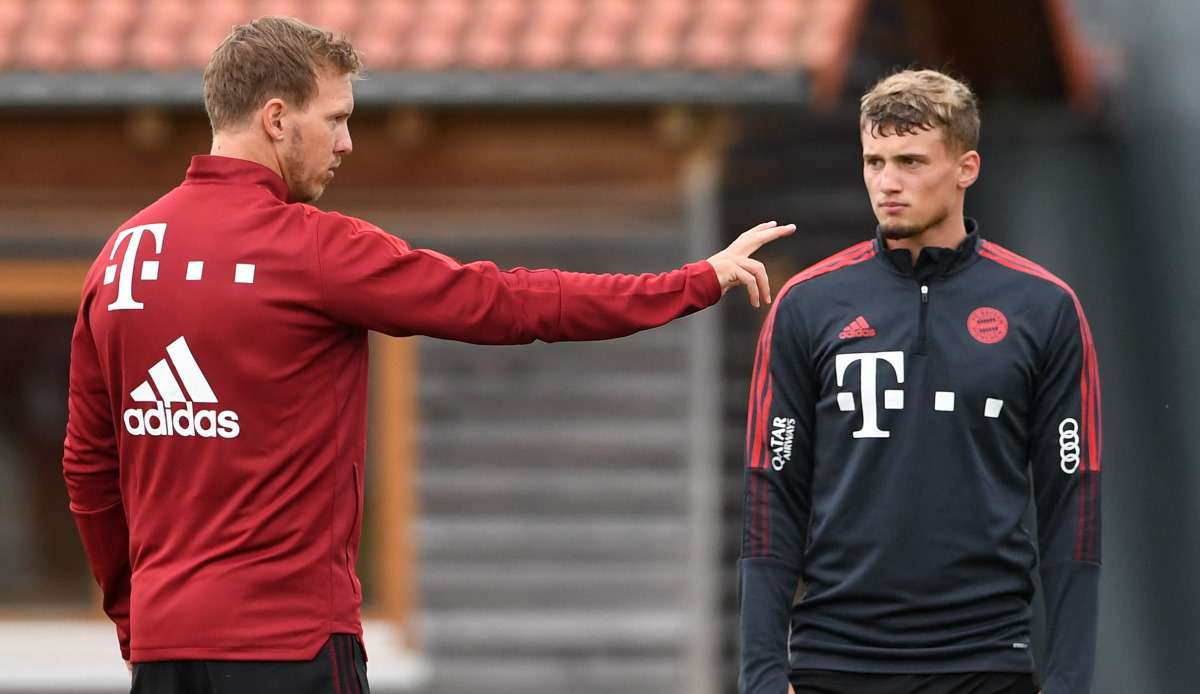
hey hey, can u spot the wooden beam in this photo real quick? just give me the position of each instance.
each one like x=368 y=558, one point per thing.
x=41 y=286
x=1075 y=56
x=831 y=37
x=393 y=430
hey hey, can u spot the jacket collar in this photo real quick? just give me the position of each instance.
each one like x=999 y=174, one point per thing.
x=206 y=168
x=933 y=261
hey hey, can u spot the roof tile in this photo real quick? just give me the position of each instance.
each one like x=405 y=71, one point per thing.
x=58 y=35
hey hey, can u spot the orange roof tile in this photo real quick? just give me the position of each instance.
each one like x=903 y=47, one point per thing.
x=401 y=35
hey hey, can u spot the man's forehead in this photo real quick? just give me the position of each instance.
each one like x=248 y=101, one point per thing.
x=336 y=86
x=887 y=139
x=340 y=104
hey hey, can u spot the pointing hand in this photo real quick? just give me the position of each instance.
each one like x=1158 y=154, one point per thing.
x=734 y=265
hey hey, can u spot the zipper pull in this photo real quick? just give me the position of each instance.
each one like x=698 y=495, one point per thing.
x=924 y=293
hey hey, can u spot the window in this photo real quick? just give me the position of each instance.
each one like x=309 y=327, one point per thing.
x=43 y=559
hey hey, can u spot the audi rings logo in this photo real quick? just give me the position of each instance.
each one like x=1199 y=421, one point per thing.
x=1068 y=445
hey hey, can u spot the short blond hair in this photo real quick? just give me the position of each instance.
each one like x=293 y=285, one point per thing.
x=913 y=100
x=271 y=57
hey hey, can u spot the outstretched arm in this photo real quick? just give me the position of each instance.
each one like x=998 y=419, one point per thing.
x=372 y=279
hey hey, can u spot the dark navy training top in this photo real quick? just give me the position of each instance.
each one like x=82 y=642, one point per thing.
x=900 y=417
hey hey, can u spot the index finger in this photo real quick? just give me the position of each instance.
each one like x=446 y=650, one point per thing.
x=756 y=238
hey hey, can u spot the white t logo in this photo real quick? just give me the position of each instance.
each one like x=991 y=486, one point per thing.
x=868 y=391
x=125 y=283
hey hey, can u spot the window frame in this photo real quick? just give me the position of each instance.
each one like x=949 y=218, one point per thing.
x=54 y=286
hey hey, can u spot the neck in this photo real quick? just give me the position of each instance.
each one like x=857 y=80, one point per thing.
x=240 y=146
x=947 y=234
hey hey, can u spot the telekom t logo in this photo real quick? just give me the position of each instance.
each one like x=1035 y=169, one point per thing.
x=868 y=389
x=893 y=398
x=132 y=238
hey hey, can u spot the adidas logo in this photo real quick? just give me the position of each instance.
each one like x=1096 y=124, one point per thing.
x=859 y=327
x=173 y=414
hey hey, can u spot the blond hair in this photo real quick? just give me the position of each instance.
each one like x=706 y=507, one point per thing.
x=267 y=58
x=913 y=100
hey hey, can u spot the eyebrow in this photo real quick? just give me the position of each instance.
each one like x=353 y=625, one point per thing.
x=900 y=155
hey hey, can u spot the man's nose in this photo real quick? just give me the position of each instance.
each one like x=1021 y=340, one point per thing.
x=889 y=181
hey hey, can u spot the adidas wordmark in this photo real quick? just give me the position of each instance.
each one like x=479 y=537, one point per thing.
x=173 y=413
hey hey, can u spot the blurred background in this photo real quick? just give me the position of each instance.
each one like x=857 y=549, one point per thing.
x=559 y=518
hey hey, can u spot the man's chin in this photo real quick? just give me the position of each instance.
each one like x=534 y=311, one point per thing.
x=897 y=232
x=308 y=196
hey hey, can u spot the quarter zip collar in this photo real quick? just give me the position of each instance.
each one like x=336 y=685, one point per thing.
x=933 y=261
x=208 y=168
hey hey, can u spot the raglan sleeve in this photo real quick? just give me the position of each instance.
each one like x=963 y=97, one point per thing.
x=372 y=279
x=92 y=475
x=1065 y=461
x=778 y=472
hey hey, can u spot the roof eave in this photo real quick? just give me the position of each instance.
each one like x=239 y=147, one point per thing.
x=36 y=90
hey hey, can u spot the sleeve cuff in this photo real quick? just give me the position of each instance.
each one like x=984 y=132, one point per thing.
x=704 y=271
x=766 y=587
x=1071 y=592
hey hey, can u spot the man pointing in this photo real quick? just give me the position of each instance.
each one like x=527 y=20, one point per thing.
x=217 y=415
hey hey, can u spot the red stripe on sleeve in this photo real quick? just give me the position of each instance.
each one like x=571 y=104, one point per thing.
x=761 y=395
x=760 y=384
x=1089 y=372
x=764 y=515
x=1089 y=398
x=757 y=395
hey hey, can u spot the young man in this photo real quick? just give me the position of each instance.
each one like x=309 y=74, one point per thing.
x=906 y=395
x=216 y=434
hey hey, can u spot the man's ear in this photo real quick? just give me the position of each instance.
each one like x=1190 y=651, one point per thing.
x=271 y=116
x=968 y=169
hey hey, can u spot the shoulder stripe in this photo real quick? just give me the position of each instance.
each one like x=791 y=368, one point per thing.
x=850 y=256
x=1089 y=399
x=759 y=385
x=761 y=396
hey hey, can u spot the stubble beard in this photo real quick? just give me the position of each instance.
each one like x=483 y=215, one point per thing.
x=898 y=232
x=315 y=193
x=300 y=188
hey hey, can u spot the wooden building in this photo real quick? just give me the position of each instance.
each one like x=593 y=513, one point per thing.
x=539 y=518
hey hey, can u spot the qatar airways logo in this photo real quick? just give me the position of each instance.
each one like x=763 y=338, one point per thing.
x=783 y=433
x=172 y=413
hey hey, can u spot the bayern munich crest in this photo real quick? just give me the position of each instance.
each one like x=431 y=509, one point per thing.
x=987 y=325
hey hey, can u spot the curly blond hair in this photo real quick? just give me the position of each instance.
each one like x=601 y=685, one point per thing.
x=913 y=100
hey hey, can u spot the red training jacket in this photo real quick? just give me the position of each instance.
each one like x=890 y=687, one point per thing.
x=218 y=395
